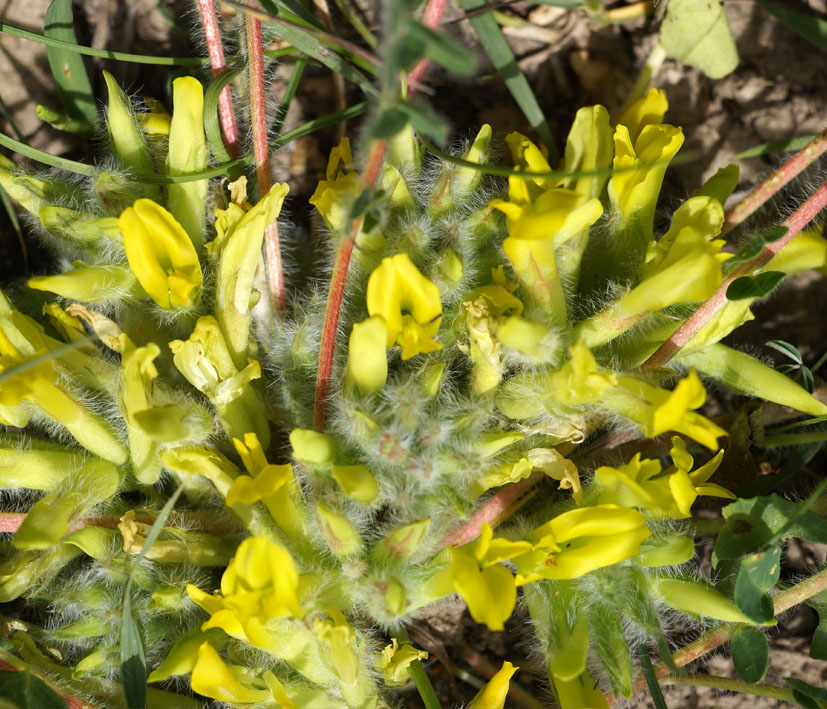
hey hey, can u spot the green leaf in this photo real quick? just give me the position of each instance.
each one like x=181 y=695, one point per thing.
x=322 y=52
x=388 y=123
x=406 y=53
x=757 y=574
x=494 y=43
x=811 y=28
x=750 y=654
x=754 y=286
x=212 y=124
x=755 y=245
x=786 y=349
x=803 y=691
x=697 y=33
x=754 y=523
x=28 y=692
x=818 y=647
x=133 y=660
x=67 y=66
x=442 y=49
x=651 y=678
x=788 y=145
x=103 y=53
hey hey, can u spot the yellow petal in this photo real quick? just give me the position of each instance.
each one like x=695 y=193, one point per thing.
x=367 y=362
x=212 y=678
x=493 y=694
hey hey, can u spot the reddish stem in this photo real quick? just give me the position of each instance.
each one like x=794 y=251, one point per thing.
x=215 y=49
x=261 y=149
x=489 y=512
x=334 y=296
x=431 y=18
x=707 y=310
x=759 y=196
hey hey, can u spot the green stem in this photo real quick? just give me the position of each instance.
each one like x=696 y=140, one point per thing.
x=732 y=685
x=420 y=678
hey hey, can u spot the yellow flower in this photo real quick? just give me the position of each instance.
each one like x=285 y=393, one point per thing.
x=260 y=584
x=639 y=166
x=335 y=196
x=657 y=410
x=226 y=683
x=589 y=148
x=666 y=493
x=205 y=362
x=580 y=541
x=408 y=303
x=487 y=587
x=160 y=254
x=579 y=381
x=527 y=157
x=535 y=230
x=493 y=694
x=395 y=661
x=156 y=119
x=274 y=485
x=648 y=110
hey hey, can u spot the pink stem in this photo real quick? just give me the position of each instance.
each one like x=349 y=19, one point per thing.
x=261 y=149
x=707 y=310
x=215 y=48
x=431 y=18
x=759 y=196
x=334 y=296
x=489 y=512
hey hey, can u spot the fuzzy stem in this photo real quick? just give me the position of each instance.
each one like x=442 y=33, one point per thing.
x=484 y=667
x=758 y=196
x=261 y=149
x=215 y=49
x=715 y=638
x=729 y=684
x=334 y=296
x=707 y=310
x=431 y=18
x=489 y=512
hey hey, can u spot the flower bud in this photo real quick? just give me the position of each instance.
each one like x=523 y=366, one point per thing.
x=341 y=536
x=188 y=153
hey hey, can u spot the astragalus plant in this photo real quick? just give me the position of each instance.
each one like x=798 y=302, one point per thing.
x=248 y=491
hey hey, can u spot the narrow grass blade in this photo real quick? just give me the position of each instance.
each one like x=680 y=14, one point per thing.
x=788 y=145
x=811 y=28
x=212 y=124
x=318 y=50
x=289 y=94
x=494 y=43
x=67 y=66
x=103 y=53
x=133 y=660
x=651 y=680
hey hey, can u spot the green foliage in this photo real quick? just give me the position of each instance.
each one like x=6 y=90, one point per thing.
x=750 y=654
x=697 y=33
x=757 y=574
x=25 y=691
x=811 y=28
